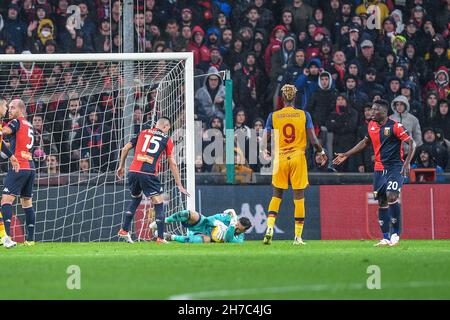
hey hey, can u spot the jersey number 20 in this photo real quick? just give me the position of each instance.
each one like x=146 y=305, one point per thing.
x=154 y=144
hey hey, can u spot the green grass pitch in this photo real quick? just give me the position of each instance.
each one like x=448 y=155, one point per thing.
x=416 y=269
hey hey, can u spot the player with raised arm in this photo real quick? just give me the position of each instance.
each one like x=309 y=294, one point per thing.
x=290 y=128
x=221 y=227
x=150 y=145
x=387 y=137
x=20 y=180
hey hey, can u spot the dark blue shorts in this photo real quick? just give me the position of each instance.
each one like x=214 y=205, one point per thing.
x=389 y=180
x=19 y=184
x=144 y=183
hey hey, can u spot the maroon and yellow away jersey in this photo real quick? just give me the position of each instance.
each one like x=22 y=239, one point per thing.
x=150 y=145
x=387 y=143
x=21 y=142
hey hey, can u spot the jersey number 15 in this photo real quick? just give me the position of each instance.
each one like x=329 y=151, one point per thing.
x=154 y=144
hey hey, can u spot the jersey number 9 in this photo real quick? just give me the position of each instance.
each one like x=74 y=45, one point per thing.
x=289 y=133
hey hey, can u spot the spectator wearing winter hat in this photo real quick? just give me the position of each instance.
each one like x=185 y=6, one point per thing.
x=442 y=119
x=355 y=96
x=282 y=59
x=438 y=57
x=15 y=29
x=313 y=49
x=320 y=105
x=343 y=123
x=400 y=106
x=249 y=86
x=352 y=49
x=397 y=15
x=393 y=87
x=440 y=84
x=197 y=46
x=415 y=107
x=368 y=58
x=275 y=40
x=431 y=105
x=370 y=83
x=215 y=62
x=210 y=97
x=437 y=147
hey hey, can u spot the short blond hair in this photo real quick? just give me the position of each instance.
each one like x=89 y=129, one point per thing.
x=288 y=92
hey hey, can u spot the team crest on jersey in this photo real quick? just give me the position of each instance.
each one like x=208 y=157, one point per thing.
x=387 y=131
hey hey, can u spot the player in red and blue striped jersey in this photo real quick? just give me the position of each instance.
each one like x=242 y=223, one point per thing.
x=150 y=145
x=5 y=239
x=19 y=183
x=387 y=137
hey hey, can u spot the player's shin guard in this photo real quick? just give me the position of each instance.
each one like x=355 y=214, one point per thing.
x=160 y=221
x=30 y=220
x=384 y=220
x=299 y=217
x=7 y=216
x=129 y=215
x=274 y=207
x=396 y=216
x=180 y=216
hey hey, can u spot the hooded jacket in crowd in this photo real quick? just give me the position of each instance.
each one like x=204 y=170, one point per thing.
x=205 y=96
x=409 y=121
x=320 y=105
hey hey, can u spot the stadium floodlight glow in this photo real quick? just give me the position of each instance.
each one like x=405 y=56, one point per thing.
x=75 y=206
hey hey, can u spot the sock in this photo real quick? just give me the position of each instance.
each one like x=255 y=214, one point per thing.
x=180 y=216
x=7 y=216
x=274 y=206
x=2 y=227
x=396 y=216
x=30 y=220
x=188 y=239
x=160 y=221
x=384 y=220
x=129 y=215
x=299 y=215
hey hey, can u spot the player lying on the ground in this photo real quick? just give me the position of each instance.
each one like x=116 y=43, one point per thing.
x=387 y=137
x=221 y=227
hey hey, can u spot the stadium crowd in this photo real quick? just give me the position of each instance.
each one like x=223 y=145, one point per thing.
x=340 y=54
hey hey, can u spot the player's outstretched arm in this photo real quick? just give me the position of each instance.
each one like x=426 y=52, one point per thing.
x=341 y=157
x=316 y=144
x=407 y=164
x=176 y=175
x=123 y=157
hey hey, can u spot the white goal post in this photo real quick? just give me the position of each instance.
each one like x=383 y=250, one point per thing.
x=73 y=203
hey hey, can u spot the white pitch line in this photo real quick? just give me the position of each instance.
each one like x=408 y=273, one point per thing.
x=311 y=287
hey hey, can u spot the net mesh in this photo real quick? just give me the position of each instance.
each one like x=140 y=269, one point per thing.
x=82 y=114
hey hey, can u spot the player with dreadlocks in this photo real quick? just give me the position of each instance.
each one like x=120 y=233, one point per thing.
x=289 y=127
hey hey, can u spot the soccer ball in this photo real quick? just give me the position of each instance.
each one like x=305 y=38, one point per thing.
x=214 y=233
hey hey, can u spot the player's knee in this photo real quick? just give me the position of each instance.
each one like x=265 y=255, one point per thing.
x=26 y=202
x=392 y=197
x=277 y=192
x=299 y=194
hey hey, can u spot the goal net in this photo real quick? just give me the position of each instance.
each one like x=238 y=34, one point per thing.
x=84 y=109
